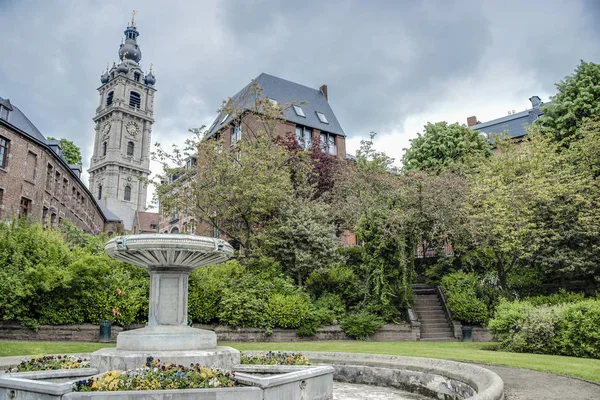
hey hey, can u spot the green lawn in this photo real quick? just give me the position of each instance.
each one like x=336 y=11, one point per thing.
x=476 y=352
x=41 y=348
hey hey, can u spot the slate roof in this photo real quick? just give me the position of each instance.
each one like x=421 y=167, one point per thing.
x=512 y=125
x=18 y=120
x=285 y=92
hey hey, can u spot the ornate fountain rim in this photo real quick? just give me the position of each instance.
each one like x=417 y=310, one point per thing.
x=168 y=250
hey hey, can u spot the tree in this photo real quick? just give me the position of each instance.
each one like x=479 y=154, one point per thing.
x=445 y=146
x=70 y=151
x=302 y=238
x=533 y=213
x=577 y=100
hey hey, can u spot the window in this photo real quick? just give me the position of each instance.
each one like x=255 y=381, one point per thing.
x=3 y=152
x=104 y=148
x=175 y=230
x=57 y=184
x=322 y=117
x=49 y=178
x=135 y=100
x=109 y=98
x=64 y=190
x=45 y=217
x=31 y=166
x=127 y=196
x=225 y=118
x=185 y=227
x=25 y=208
x=4 y=113
x=99 y=192
x=52 y=221
x=130 y=149
x=273 y=101
x=299 y=111
x=304 y=136
x=328 y=143
x=236 y=135
x=136 y=76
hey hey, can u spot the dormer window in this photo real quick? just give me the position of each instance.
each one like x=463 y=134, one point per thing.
x=109 y=98
x=272 y=101
x=135 y=100
x=299 y=111
x=4 y=112
x=322 y=117
x=136 y=76
x=225 y=118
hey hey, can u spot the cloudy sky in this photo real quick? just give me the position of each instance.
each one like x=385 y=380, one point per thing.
x=390 y=66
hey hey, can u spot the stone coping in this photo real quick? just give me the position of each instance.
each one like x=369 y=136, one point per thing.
x=487 y=384
x=54 y=373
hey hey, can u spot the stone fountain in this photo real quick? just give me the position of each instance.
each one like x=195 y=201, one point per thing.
x=169 y=260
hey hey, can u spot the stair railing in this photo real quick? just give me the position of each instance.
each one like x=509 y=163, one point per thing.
x=454 y=325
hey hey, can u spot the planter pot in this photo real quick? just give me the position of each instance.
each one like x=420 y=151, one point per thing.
x=105 y=331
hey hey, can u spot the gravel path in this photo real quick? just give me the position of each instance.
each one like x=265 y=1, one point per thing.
x=526 y=384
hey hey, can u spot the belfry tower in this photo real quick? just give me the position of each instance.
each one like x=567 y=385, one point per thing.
x=120 y=163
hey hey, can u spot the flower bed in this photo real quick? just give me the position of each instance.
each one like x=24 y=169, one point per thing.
x=275 y=358
x=46 y=363
x=157 y=376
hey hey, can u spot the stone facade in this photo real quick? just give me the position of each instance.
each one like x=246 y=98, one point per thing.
x=120 y=162
x=37 y=182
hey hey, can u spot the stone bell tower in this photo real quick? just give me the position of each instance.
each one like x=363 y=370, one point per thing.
x=120 y=163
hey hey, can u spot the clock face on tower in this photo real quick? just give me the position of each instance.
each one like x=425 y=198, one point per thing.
x=132 y=128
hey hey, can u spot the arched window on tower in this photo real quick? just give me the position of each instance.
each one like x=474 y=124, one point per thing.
x=109 y=98
x=130 y=149
x=99 y=192
x=135 y=100
x=127 y=196
x=104 y=148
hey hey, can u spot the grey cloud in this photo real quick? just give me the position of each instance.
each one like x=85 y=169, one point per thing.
x=383 y=60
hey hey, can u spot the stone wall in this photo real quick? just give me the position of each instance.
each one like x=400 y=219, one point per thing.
x=90 y=333
x=481 y=334
x=387 y=333
x=72 y=333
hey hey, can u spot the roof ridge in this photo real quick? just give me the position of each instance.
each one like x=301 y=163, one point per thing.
x=288 y=81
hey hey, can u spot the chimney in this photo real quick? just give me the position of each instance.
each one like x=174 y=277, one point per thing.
x=323 y=90
x=472 y=121
x=536 y=102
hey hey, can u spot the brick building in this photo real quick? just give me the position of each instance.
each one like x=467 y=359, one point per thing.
x=311 y=119
x=36 y=181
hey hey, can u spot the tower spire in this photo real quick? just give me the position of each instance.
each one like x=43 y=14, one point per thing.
x=129 y=49
x=133 y=17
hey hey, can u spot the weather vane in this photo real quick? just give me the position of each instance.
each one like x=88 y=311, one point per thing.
x=150 y=67
x=133 y=18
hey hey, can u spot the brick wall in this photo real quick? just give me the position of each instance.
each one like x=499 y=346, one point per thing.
x=51 y=191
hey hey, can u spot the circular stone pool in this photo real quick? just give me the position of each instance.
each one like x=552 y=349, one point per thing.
x=351 y=391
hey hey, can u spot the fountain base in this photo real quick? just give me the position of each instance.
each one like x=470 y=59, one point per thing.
x=222 y=357
x=166 y=338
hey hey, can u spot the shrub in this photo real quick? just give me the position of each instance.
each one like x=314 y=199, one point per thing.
x=288 y=311
x=339 y=280
x=330 y=308
x=562 y=296
x=579 y=329
x=275 y=358
x=242 y=308
x=571 y=329
x=468 y=300
x=361 y=325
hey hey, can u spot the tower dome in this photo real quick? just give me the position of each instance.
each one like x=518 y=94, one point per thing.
x=129 y=50
x=150 y=79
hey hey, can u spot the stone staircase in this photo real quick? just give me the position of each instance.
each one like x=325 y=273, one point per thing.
x=435 y=327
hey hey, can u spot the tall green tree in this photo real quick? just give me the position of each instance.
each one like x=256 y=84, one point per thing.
x=533 y=212
x=70 y=151
x=577 y=101
x=444 y=145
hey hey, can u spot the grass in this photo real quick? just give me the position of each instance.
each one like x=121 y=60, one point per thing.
x=585 y=368
x=41 y=348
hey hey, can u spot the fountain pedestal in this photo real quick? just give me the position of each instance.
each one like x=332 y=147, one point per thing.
x=167 y=336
